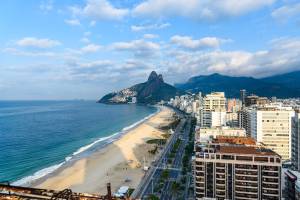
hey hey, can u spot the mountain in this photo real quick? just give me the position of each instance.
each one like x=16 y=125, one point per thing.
x=232 y=85
x=289 y=79
x=149 y=92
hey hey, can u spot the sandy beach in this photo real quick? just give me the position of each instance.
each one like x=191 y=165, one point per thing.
x=120 y=161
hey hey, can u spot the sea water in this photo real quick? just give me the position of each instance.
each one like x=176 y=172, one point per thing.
x=37 y=137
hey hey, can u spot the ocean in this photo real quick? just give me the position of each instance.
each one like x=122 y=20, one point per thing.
x=37 y=137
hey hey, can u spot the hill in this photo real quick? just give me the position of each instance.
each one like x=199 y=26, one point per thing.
x=150 y=92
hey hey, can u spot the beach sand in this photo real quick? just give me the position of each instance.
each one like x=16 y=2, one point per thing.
x=121 y=160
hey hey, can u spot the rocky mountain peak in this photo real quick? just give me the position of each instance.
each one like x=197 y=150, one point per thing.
x=154 y=76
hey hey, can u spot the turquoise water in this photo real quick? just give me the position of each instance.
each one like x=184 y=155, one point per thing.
x=37 y=137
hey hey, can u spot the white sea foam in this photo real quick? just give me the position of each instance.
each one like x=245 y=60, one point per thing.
x=37 y=175
x=84 y=148
x=109 y=139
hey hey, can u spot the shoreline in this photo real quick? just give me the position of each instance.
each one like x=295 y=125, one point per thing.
x=80 y=153
x=119 y=160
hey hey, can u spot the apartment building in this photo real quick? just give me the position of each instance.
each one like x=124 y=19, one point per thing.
x=213 y=110
x=236 y=168
x=296 y=141
x=272 y=125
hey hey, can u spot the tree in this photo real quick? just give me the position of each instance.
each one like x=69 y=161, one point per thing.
x=153 y=197
x=165 y=174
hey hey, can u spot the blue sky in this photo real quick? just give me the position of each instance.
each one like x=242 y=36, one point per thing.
x=68 y=49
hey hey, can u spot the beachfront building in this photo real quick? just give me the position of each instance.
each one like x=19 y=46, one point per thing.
x=236 y=168
x=272 y=125
x=213 y=110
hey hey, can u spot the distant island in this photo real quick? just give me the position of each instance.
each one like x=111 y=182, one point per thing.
x=152 y=91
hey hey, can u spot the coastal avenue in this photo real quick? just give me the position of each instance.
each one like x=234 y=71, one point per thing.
x=152 y=177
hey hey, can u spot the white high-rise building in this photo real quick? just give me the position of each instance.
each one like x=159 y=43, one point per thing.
x=272 y=125
x=213 y=110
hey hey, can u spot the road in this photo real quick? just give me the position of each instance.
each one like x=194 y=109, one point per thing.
x=177 y=164
x=151 y=179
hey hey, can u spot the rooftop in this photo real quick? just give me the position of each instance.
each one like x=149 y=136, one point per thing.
x=246 y=150
x=234 y=140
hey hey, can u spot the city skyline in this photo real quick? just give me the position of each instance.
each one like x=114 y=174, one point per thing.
x=83 y=49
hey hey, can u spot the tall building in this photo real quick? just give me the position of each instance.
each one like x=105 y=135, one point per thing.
x=245 y=116
x=235 y=168
x=296 y=141
x=272 y=125
x=213 y=110
x=243 y=96
x=215 y=101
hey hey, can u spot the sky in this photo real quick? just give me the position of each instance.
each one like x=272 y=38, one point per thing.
x=83 y=49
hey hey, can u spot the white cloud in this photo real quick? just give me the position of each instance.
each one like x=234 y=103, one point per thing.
x=140 y=48
x=93 y=23
x=188 y=43
x=93 y=70
x=18 y=52
x=150 y=36
x=198 y=9
x=36 y=42
x=73 y=22
x=46 y=6
x=283 y=56
x=285 y=12
x=91 y=48
x=146 y=27
x=87 y=33
x=100 y=10
x=85 y=40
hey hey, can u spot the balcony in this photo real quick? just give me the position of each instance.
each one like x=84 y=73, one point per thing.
x=270 y=197
x=220 y=187
x=218 y=170
x=220 y=182
x=246 y=167
x=200 y=180
x=246 y=190
x=270 y=174
x=271 y=192
x=220 y=165
x=199 y=169
x=270 y=179
x=246 y=173
x=220 y=176
x=270 y=168
x=201 y=174
x=246 y=178
x=198 y=190
x=271 y=186
x=200 y=185
x=198 y=163
x=220 y=193
x=246 y=196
